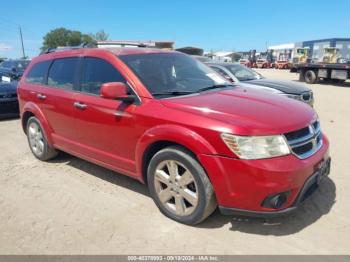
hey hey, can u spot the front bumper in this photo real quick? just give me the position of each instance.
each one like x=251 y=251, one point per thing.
x=309 y=187
x=9 y=108
x=241 y=186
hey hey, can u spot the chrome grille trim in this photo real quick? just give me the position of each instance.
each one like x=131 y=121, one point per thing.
x=313 y=139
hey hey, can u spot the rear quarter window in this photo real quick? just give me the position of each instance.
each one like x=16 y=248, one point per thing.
x=37 y=73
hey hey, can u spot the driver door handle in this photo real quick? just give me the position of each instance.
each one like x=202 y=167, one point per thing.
x=41 y=96
x=80 y=105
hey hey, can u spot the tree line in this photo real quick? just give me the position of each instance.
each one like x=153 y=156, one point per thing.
x=65 y=37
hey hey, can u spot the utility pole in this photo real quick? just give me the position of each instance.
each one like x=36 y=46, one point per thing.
x=20 y=33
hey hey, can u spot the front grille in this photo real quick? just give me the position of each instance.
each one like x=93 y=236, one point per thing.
x=295 y=60
x=306 y=141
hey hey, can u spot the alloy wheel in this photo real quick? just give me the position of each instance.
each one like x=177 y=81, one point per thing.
x=36 y=139
x=176 y=188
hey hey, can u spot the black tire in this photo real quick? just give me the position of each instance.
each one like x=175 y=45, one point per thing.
x=206 y=197
x=47 y=151
x=310 y=77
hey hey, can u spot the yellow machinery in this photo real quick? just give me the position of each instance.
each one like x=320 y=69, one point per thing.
x=330 y=55
x=301 y=55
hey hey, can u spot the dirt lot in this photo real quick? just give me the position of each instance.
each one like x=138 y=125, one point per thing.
x=69 y=206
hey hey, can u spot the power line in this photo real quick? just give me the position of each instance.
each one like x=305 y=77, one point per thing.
x=14 y=25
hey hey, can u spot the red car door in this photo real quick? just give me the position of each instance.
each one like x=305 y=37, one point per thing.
x=106 y=128
x=57 y=101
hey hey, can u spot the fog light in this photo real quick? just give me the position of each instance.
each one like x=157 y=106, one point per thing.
x=275 y=201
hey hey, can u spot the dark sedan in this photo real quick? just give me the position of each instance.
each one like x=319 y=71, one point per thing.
x=248 y=77
x=10 y=73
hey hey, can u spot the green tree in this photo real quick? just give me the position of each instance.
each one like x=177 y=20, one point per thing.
x=65 y=37
x=100 y=36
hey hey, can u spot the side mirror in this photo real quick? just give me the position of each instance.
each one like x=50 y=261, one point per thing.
x=117 y=91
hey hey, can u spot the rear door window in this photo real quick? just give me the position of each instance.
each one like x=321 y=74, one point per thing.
x=97 y=72
x=37 y=74
x=64 y=73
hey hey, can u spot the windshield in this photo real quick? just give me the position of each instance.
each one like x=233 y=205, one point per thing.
x=243 y=73
x=19 y=65
x=171 y=74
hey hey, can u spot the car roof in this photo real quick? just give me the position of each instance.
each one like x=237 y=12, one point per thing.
x=118 y=51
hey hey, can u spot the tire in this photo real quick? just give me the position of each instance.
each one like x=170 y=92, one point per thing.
x=310 y=77
x=37 y=140
x=187 y=196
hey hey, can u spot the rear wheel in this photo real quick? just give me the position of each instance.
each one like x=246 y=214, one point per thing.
x=310 y=77
x=38 y=142
x=179 y=186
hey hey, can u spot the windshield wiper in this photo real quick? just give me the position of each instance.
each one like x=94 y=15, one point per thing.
x=173 y=93
x=213 y=87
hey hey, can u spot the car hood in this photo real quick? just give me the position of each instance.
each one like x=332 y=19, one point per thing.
x=246 y=111
x=283 y=86
x=8 y=87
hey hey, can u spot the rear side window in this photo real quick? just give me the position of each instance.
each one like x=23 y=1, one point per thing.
x=63 y=73
x=37 y=73
x=97 y=72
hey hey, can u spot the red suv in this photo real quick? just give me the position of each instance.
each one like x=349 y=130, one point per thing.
x=168 y=120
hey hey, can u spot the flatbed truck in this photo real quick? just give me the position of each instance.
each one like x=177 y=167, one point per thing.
x=313 y=72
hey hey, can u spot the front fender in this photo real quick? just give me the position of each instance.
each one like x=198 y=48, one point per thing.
x=172 y=133
x=36 y=111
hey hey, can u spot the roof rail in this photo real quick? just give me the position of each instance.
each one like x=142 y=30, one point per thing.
x=63 y=48
x=122 y=43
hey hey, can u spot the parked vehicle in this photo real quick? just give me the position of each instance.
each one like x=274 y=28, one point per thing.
x=302 y=55
x=12 y=69
x=312 y=73
x=263 y=63
x=248 y=59
x=240 y=74
x=283 y=64
x=10 y=73
x=170 y=121
x=330 y=55
x=265 y=60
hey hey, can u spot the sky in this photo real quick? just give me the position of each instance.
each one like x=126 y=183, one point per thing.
x=220 y=25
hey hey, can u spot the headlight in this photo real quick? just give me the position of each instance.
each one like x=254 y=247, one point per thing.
x=256 y=147
x=296 y=97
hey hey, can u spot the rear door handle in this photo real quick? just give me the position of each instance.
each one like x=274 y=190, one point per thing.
x=80 y=105
x=41 y=96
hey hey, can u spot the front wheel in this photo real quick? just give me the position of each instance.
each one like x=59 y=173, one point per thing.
x=38 y=142
x=179 y=186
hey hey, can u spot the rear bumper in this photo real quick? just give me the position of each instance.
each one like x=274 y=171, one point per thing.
x=243 y=186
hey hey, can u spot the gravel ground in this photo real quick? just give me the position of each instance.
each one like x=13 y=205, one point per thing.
x=69 y=206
